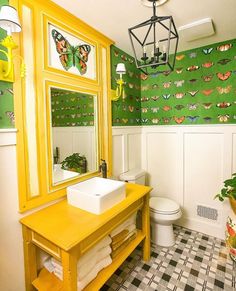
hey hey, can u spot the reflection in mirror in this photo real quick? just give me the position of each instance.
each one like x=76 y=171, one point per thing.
x=74 y=134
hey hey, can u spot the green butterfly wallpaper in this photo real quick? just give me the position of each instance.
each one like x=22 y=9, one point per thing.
x=6 y=93
x=71 y=108
x=200 y=90
x=127 y=111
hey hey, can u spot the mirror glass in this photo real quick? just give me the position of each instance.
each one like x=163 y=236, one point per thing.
x=73 y=133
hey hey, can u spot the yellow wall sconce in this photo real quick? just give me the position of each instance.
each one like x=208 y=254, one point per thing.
x=120 y=91
x=9 y=21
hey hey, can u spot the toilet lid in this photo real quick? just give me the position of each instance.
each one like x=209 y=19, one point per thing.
x=163 y=205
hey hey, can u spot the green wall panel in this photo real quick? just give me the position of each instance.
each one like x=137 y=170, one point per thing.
x=201 y=89
x=6 y=93
x=128 y=111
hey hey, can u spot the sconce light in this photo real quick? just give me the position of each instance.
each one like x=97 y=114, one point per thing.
x=9 y=21
x=120 y=92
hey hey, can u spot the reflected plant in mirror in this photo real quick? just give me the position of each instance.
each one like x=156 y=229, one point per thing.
x=74 y=133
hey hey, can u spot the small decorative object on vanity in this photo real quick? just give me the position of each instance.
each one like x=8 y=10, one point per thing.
x=229 y=191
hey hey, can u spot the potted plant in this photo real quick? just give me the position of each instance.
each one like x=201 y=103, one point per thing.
x=229 y=191
x=75 y=163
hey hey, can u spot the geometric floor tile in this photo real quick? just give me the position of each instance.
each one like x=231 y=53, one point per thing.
x=195 y=262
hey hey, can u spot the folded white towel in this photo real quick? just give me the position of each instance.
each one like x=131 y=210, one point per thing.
x=91 y=253
x=83 y=270
x=124 y=225
x=90 y=276
x=48 y=265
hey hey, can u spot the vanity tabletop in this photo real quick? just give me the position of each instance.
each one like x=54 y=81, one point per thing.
x=66 y=225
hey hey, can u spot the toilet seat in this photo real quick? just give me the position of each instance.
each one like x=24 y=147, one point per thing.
x=165 y=206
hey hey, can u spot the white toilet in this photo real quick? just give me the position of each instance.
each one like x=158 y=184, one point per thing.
x=163 y=211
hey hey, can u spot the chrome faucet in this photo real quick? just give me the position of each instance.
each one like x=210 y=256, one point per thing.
x=103 y=168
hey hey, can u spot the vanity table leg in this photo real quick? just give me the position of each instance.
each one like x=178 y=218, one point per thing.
x=146 y=228
x=69 y=264
x=29 y=259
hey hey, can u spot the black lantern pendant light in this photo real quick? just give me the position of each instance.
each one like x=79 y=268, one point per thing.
x=154 y=43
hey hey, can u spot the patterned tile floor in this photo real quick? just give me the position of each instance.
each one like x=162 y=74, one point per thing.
x=195 y=262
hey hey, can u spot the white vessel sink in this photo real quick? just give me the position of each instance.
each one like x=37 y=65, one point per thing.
x=96 y=195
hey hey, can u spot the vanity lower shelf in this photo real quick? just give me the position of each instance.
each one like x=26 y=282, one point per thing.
x=41 y=282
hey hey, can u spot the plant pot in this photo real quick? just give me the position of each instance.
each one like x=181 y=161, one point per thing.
x=230 y=237
x=233 y=204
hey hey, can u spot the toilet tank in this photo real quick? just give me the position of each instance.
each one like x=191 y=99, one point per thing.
x=135 y=176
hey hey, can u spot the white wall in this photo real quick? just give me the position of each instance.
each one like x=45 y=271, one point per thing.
x=11 y=250
x=185 y=163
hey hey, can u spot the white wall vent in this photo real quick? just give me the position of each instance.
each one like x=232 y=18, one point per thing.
x=197 y=29
x=207 y=212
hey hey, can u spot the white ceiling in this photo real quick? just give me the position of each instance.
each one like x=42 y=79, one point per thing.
x=114 y=17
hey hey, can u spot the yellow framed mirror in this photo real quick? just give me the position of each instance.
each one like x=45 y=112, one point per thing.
x=60 y=60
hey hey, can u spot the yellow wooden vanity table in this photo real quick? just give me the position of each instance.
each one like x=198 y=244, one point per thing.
x=66 y=232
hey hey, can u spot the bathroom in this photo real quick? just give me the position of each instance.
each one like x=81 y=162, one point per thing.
x=186 y=159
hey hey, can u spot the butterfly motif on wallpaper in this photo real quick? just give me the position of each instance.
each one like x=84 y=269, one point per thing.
x=192 y=106
x=207 y=65
x=155 y=98
x=116 y=53
x=144 y=110
x=166 y=108
x=223 y=76
x=180 y=57
x=155 y=86
x=130 y=74
x=124 y=58
x=224 y=62
x=207 y=92
x=193 y=93
x=131 y=60
x=179 y=95
x=155 y=120
x=131 y=108
x=144 y=120
x=144 y=88
x=179 y=120
x=143 y=76
x=225 y=90
x=224 y=47
x=179 y=83
x=11 y=116
x=131 y=85
x=167 y=84
x=155 y=109
x=192 y=118
x=193 y=55
x=124 y=120
x=207 y=51
x=191 y=81
x=207 y=78
x=166 y=96
x=192 y=68
x=144 y=99
x=223 y=118
x=71 y=56
x=207 y=105
x=179 y=107
x=207 y=119
x=223 y=105
x=166 y=119
x=166 y=73
x=179 y=70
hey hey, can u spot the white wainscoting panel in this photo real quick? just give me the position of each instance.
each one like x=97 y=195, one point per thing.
x=126 y=149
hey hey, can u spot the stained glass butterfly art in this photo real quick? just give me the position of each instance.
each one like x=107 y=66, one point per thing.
x=71 y=56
